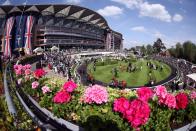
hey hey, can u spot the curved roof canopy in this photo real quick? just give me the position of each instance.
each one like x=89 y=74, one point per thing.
x=68 y=11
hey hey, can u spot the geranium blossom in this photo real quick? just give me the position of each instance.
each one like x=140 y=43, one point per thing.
x=96 y=94
x=193 y=95
x=161 y=91
x=45 y=89
x=181 y=100
x=27 y=66
x=69 y=86
x=62 y=97
x=18 y=71
x=137 y=112
x=39 y=73
x=27 y=72
x=16 y=67
x=170 y=101
x=144 y=93
x=35 y=84
x=121 y=105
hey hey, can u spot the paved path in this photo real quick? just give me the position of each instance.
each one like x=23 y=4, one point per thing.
x=50 y=73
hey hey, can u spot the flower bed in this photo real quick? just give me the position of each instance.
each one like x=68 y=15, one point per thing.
x=102 y=108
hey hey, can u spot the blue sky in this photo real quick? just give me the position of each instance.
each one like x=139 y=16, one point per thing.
x=141 y=21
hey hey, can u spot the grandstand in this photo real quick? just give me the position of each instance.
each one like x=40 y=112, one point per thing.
x=65 y=26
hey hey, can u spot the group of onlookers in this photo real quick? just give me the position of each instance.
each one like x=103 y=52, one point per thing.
x=184 y=68
x=60 y=63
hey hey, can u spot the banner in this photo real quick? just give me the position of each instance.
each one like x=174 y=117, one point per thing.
x=8 y=37
x=28 y=34
x=19 y=32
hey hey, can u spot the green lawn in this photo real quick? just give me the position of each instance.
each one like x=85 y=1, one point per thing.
x=137 y=78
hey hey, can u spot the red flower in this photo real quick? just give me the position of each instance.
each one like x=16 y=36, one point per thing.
x=69 y=86
x=39 y=73
x=144 y=93
x=181 y=100
x=62 y=97
x=121 y=105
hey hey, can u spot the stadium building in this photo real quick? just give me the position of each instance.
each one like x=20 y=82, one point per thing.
x=65 y=26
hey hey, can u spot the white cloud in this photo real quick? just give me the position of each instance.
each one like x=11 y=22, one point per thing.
x=158 y=34
x=157 y=11
x=177 y=18
x=130 y=3
x=7 y=2
x=139 y=29
x=73 y=1
x=110 y=11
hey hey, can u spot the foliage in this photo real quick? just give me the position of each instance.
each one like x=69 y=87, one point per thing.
x=158 y=46
x=149 y=49
x=6 y=121
x=187 y=51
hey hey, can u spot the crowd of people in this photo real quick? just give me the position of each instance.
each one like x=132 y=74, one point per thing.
x=183 y=69
x=60 y=63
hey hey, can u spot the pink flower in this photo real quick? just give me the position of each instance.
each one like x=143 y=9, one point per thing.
x=20 y=69
x=69 y=86
x=193 y=95
x=181 y=100
x=161 y=91
x=15 y=67
x=27 y=72
x=19 y=81
x=170 y=101
x=62 y=97
x=121 y=105
x=35 y=84
x=18 y=72
x=28 y=66
x=138 y=113
x=144 y=93
x=45 y=89
x=95 y=94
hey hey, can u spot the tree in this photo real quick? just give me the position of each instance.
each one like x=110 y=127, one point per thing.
x=132 y=49
x=143 y=50
x=149 y=49
x=189 y=50
x=179 y=50
x=158 y=46
x=172 y=51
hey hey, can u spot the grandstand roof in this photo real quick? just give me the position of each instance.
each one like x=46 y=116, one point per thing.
x=75 y=12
